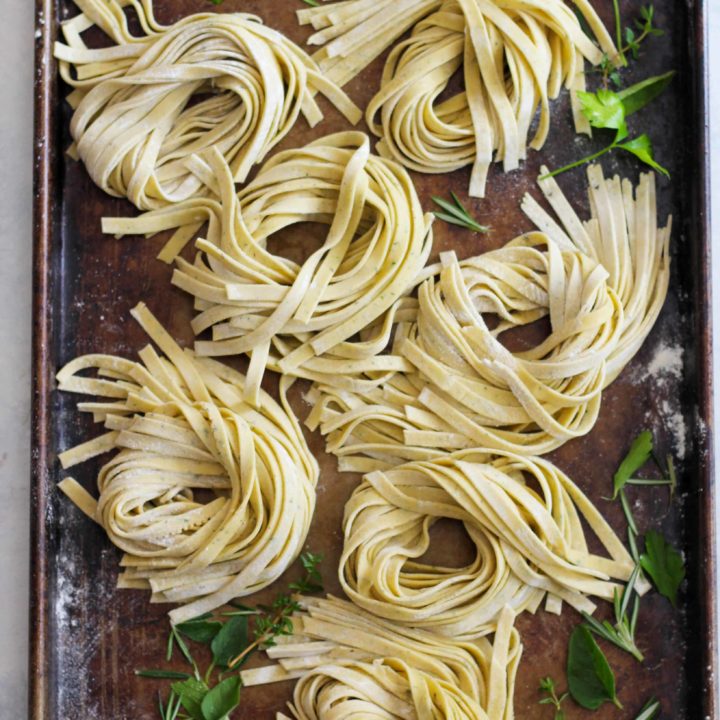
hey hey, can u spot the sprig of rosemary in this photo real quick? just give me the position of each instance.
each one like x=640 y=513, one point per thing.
x=622 y=634
x=650 y=710
x=455 y=213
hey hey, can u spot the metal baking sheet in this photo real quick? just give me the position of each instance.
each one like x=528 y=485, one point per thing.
x=88 y=637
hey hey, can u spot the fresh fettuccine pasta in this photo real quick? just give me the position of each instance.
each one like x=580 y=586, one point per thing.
x=600 y=284
x=515 y=56
x=302 y=320
x=523 y=517
x=145 y=106
x=351 y=664
x=209 y=498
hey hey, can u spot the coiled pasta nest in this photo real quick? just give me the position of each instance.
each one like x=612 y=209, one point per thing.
x=351 y=664
x=600 y=286
x=316 y=319
x=523 y=517
x=209 y=498
x=513 y=56
x=145 y=107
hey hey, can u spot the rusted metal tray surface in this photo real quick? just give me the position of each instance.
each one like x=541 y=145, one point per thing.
x=88 y=637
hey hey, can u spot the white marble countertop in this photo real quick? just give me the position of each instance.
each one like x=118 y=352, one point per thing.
x=16 y=80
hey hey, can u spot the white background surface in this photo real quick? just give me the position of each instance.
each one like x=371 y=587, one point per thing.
x=16 y=81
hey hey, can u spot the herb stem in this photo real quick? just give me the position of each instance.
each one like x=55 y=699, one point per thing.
x=648 y=481
x=618 y=32
x=578 y=163
x=628 y=512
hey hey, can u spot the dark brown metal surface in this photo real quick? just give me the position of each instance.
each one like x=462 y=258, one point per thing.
x=88 y=637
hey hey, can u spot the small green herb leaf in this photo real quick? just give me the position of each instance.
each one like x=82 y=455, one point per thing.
x=663 y=564
x=650 y=711
x=231 y=640
x=642 y=148
x=456 y=214
x=191 y=693
x=312 y=582
x=163 y=674
x=639 y=453
x=201 y=631
x=547 y=685
x=222 y=699
x=604 y=109
x=590 y=679
x=643 y=93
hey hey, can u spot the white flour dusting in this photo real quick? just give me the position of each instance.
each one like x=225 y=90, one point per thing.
x=666 y=364
x=677 y=429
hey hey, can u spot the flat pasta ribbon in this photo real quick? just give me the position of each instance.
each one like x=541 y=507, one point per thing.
x=514 y=57
x=146 y=105
x=352 y=664
x=599 y=285
x=523 y=517
x=301 y=320
x=209 y=498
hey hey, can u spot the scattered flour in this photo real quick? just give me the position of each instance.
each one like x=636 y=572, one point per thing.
x=677 y=428
x=666 y=364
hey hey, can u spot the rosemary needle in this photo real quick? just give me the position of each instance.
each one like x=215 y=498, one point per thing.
x=455 y=213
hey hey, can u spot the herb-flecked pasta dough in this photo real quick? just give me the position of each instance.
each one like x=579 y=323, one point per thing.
x=601 y=285
x=145 y=107
x=514 y=57
x=351 y=664
x=316 y=319
x=209 y=498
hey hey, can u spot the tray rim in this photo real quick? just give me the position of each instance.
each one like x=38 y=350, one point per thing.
x=705 y=575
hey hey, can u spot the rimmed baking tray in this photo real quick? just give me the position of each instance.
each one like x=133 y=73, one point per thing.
x=87 y=637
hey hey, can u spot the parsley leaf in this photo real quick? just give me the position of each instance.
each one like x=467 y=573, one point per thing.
x=604 y=109
x=642 y=148
x=590 y=679
x=663 y=564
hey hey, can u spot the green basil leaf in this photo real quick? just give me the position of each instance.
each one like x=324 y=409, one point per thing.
x=191 y=694
x=641 y=147
x=231 y=640
x=641 y=94
x=222 y=699
x=200 y=631
x=639 y=453
x=590 y=679
x=664 y=564
x=604 y=109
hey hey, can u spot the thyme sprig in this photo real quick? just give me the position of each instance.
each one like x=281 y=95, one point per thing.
x=547 y=685
x=628 y=43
